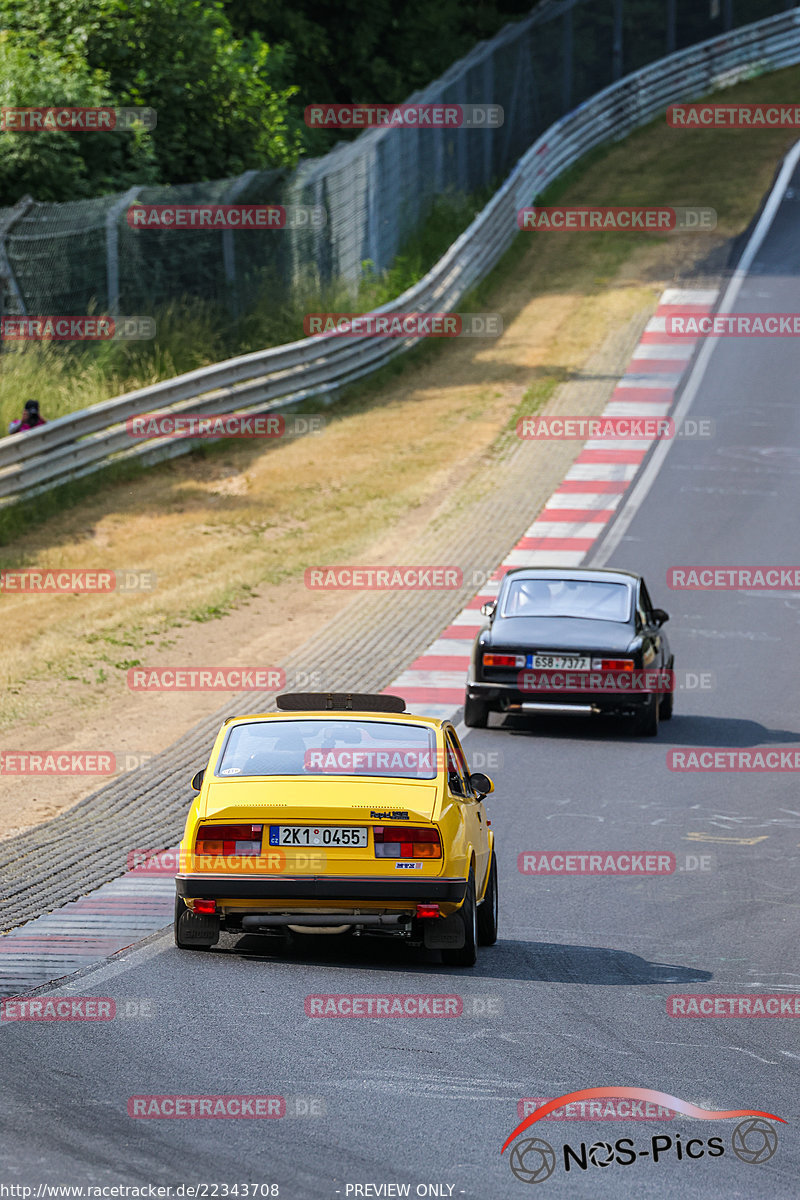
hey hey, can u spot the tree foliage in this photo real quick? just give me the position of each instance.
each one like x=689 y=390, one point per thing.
x=223 y=103
x=353 y=51
x=229 y=79
x=53 y=165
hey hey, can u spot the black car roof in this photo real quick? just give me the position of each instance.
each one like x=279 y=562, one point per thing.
x=597 y=574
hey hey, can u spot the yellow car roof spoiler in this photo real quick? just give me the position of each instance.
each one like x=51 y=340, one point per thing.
x=341 y=701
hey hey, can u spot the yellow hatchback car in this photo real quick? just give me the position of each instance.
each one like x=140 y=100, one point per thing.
x=339 y=813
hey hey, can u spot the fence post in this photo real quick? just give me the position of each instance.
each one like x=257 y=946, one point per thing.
x=228 y=255
x=18 y=211
x=112 y=248
x=616 y=53
x=567 y=57
x=671 y=32
x=376 y=173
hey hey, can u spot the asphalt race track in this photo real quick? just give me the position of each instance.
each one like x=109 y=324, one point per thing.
x=574 y=995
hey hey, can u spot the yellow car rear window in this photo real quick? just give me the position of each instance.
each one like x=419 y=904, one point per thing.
x=326 y=746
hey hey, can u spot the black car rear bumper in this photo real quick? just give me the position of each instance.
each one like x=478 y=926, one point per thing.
x=311 y=889
x=505 y=697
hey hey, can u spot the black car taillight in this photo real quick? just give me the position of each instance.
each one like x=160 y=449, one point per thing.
x=406 y=841
x=504 y=660
x=229 y=839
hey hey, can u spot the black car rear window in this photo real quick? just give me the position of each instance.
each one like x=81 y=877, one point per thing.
x=586 y=598
x=329 y=747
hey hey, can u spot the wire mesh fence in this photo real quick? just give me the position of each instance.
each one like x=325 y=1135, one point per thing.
x=83 y=256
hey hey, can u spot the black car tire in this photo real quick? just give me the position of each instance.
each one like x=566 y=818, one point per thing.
x=467 y=955
x=487 y=911
x=476 y=713
x=665 y=711
x=194 y=931
x=647 y=719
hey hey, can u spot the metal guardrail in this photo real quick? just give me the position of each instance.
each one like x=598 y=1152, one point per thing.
x=79 y=444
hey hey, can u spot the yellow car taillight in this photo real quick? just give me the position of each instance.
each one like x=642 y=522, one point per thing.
x=243 y=840
x=406 y=841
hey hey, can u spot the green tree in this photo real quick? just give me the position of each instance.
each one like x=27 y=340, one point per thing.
x=352 y=52
x=58 y=165
x=222 y=103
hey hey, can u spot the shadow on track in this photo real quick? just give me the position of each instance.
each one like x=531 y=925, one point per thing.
x=531 y=962
x=682 y=730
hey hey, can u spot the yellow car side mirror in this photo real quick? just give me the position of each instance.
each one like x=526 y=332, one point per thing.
x=481 y=784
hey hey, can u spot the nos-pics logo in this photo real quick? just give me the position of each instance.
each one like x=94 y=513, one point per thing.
x=533 y=1160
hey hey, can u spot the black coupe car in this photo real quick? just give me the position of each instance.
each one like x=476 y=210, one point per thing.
x=568 y=640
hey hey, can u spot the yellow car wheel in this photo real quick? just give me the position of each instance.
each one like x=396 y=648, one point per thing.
x=467 y=955
x=487 y=912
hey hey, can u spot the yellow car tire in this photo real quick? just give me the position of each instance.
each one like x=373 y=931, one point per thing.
x=487 y=911
x=467 y=955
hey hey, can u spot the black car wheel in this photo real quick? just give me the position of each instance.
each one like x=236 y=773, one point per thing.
x=665 y=711
x=487 y=911
x=476 y=713
x=467 y=955
x=194 y=931
x=647 y=719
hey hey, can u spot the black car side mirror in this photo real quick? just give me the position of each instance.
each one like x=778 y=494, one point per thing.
x=197 y=781
x=659 y=616
x=481 y=784
x=488 y=609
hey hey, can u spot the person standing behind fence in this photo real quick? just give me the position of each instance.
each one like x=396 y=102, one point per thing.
x=30 y=418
